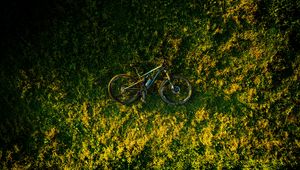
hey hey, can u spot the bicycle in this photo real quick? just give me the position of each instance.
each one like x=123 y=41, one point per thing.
x=126 y=89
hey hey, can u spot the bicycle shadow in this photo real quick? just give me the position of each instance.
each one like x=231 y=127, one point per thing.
x=209 y=100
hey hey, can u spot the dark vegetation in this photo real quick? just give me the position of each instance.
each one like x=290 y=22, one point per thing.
x=242 y=58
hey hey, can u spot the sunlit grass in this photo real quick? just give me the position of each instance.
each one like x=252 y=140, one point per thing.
x=243 y=112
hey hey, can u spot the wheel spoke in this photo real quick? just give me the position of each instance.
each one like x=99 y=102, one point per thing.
x=117 y=89
x=177 y=92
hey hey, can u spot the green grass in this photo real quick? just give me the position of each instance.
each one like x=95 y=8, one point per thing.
x=244 y=112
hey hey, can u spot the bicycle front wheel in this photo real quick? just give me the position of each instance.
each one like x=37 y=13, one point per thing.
x=124 y=89
x=176 y=91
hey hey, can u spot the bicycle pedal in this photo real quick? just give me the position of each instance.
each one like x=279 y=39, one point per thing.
x=143 y=98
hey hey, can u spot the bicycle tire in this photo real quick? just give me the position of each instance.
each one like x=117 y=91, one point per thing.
x=117 y=84
x=179 y=94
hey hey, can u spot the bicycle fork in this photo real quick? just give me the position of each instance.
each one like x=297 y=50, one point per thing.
x=169 y=78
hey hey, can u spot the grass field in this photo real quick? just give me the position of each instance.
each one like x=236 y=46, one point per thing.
x=241 y=57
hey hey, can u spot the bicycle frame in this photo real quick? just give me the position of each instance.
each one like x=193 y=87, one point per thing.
x=159 y=69
x=143 y=77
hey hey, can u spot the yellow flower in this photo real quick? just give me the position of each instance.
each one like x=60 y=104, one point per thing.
x=51 y=133
x=201 y=114
x=233 y=88
x=234 y=144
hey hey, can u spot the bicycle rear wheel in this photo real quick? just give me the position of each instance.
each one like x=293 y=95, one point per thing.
x=176 y=91
x=122 y=88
